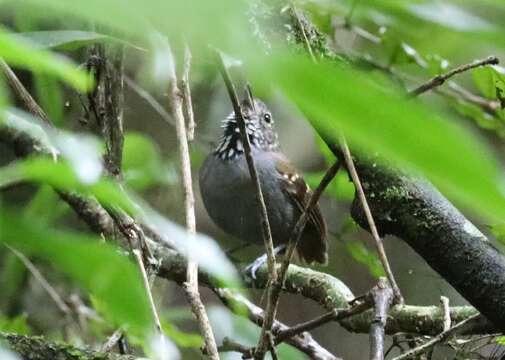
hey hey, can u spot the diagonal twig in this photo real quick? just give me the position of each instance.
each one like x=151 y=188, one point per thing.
x=437 y=339
x=441 y=79
x=53 y=294
x=263 y=343
x=371 y=222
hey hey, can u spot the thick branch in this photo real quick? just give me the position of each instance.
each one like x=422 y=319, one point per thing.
x=38 y=348
x=416 y=212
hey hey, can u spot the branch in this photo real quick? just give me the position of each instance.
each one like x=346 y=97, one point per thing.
x=412 y=209
x=303 y=341
x=53 y=294
x=370 y=220
x=322 y=288
x=263 y=343
x=437 y=339
x=382 y=296
x=38 y=348
x=191 y=286
x=441 y=79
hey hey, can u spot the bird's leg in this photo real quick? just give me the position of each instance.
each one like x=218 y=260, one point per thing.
x=253 y=267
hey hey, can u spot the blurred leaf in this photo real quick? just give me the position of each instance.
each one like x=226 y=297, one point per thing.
x=498 y=231
x=199 y=247
x=195 y=19
x=61 y=176
x=45 y=205
x=340 y=187
x=142 y=163
x=66 y=39
x=365 y=257
x=12 y=281
x=95 y=266
x=490 y=81
x=500 y=340
x=381 y=121
x=182 y=339
x=50 y=97
x=17 y=324
x=22 y=54
x=449 y=15
x=82 y=151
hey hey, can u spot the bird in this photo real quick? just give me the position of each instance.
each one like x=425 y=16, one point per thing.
x=228 y=192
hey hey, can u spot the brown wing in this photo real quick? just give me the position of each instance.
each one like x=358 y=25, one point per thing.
x=312 y=245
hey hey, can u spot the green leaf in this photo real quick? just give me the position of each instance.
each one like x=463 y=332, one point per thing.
x=50 y=97
x=182 y=339
x=376 y=119
x=17 y=324
x=23 y=54
x=97 y=267
x=142 y=163
x=66 y=39
x=365 y=257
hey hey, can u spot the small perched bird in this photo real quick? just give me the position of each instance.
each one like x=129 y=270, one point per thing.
x=229 y=193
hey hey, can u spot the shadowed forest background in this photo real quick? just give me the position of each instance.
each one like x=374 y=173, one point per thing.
x=324 y=68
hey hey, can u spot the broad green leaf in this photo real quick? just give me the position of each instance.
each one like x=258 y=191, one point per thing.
x=60 y=175
x=97 y=267
x=195 y=19
x=404 y=131
x=66 y=39
x=22 y=54
x=142 y=163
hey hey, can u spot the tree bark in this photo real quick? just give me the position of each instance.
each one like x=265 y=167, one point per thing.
x=38 y=348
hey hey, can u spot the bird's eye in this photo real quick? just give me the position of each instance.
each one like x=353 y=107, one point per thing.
x=267 y=117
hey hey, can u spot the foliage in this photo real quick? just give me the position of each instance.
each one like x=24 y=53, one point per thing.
x=360 y=93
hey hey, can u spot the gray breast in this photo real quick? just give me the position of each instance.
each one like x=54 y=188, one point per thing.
x=229 y=197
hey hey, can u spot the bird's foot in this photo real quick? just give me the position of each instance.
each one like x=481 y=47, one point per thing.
x=253 y=267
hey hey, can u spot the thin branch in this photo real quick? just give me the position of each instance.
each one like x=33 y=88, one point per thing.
x=112 y=341
x=371 y=222
x=53 y=294
x=436 y=340
x=441 y=79
x=382 y=296
x=138 y=257
x=444 y=301
x=265 y=225
x=231 y=345
x=186 y=94
x=304 y=342
x=191 y=285
x=334 y=315
x=24 y=95
x=144 y=94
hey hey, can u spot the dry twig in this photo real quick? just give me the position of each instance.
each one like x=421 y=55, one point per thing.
x=191 y=285
x=437 y=339
x=53 y=294
x=371 y=222
x=441 y=79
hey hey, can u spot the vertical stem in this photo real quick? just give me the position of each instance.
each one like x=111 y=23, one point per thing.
x=191 y=284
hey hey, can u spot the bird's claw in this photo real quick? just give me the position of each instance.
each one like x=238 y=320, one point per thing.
x=253 y=267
